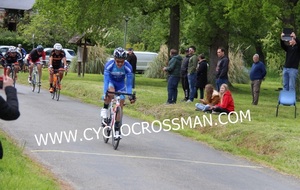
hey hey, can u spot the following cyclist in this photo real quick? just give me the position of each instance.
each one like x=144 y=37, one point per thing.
x=23 y=52
x=34 y=58
x=115 y=72
x=12 y=56
x=57 y=56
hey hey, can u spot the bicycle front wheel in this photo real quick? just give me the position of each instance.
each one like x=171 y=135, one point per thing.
x=38 y=83
x=13 y=77
x=33 y=82
x=57 y=89
x=106 y=133
x=116 y=132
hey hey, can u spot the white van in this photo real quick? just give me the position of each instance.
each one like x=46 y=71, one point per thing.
x=144 y=58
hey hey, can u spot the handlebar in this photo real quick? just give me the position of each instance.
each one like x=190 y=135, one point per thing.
x=120 y=93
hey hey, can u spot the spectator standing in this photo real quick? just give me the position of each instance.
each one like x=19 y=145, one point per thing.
x=257 y=74
x=132 y=59
x=201 y=74
x=184 y=77
x=290 y=68
x=222 y=68
x=173 y=69
x=192 y=65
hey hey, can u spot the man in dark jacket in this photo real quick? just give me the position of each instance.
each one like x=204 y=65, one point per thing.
x=173 y=70
x=184 y=77
x=9 y=110
x=132 y=59
x=222 y=68
x=257 y=74
x=201 y=75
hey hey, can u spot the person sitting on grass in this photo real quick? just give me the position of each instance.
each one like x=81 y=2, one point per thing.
x=226 y=103
x=211 y=98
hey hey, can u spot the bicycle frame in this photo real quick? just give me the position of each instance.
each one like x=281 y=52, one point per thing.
x=35 y=76
x=56 y=84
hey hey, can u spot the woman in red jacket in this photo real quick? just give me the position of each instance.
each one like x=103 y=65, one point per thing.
x=226 y=104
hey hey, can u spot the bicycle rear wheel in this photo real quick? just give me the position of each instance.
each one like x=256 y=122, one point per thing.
x=116 y=139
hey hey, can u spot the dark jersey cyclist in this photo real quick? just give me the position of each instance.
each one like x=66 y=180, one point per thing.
x=34 y=58
x=57 y=62
x=12 y=56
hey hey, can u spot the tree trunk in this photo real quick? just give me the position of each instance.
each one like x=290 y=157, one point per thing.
x=259 y=51
x=220 y=40
x=173 y=40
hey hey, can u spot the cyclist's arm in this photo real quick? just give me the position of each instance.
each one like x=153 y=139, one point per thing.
x=29 y=59
x=106 y=81
x=129 y=77
x=44 y=55
x=50 y=61
x=65 y=62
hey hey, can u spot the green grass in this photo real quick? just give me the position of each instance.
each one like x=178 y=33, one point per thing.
x=269 y=140
x=17 y=171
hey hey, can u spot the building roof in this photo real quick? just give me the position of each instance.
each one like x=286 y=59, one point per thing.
x=17 y=4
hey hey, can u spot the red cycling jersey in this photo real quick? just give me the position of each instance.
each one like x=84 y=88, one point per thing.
x=34 y=56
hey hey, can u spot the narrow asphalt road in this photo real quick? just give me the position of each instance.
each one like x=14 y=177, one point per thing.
x=66 y=137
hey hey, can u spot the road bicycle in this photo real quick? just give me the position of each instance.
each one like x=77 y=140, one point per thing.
x=35 y=79
x=56 y=84
x=110 y=130
x=12 y=73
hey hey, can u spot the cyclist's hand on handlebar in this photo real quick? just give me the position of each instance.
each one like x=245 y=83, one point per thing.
x=132 y=99
x=50 y=69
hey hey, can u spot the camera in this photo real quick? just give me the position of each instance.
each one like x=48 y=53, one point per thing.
x=1 y=76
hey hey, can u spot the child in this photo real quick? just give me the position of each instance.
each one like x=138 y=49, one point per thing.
x=211 y=98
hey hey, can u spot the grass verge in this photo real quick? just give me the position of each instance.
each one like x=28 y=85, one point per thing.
x=18 y=171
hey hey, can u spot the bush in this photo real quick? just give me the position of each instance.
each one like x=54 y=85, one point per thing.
x=97 y=57
x=12 y=38
x=155 y=68
x=237 y=73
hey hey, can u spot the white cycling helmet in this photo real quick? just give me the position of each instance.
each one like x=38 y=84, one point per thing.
x=12 y=49
x=57 y=46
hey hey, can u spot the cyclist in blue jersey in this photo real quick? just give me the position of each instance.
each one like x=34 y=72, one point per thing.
x=117 y=78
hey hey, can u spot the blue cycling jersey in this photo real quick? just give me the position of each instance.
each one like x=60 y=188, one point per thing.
x=116 y=76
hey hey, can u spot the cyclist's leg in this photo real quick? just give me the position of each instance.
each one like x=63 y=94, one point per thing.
x=51 y=79
x=61 y=71
x=16 y=69
x=30 y=66
x=107 y=100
